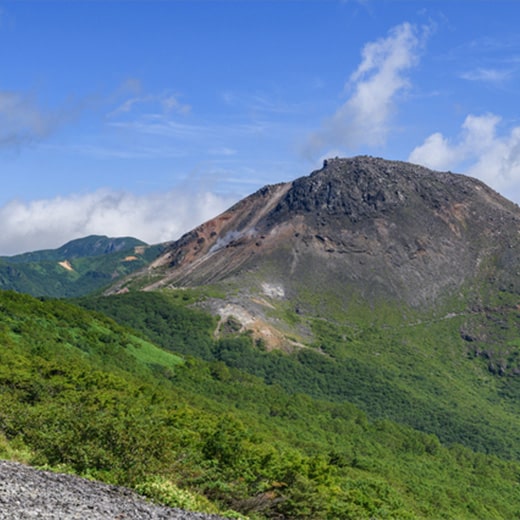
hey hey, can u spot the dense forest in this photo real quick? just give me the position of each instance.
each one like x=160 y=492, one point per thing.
x=391 y=369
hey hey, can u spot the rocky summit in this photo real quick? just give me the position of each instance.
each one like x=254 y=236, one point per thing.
x=363 y=227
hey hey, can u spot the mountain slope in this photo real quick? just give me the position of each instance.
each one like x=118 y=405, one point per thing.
x=422 y=372
x=76 y=268
x=77 y=392
x=363 y=226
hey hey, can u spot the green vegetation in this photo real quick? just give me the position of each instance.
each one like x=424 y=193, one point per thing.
x=81 y=393
x=419 y=371
x=79 y=267
x=164 y=317
x=93 y=245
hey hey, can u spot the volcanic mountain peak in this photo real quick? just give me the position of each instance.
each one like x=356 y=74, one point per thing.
x=367 y=187
x=362 y=227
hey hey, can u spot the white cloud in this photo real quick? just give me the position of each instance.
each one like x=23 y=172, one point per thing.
x=478 y=151
x=154 y=218
x=478 y=134
x=364 y=118
x=436 y=152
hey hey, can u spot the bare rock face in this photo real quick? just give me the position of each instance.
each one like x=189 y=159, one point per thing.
x=364 y=227
x=27 y=493
x=405 y=232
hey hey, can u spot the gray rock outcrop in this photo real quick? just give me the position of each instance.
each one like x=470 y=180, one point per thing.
x=27 y=493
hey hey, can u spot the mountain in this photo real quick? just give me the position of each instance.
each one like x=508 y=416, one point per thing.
x=374 y=282
x=93 y=245
x=358 y=235
x=341 y=346
x=76 y=268
x=364 y=228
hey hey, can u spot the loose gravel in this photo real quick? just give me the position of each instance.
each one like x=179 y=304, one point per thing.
x=27 y=493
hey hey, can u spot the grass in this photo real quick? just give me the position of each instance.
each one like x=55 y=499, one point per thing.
x=147 y=353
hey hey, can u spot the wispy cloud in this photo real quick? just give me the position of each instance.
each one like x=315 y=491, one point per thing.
x=491 y=60
x=260 y=103
x=478 y=150
x=161 y=126
x=364 y=118
x=195 y=132
x=164 y=103
x=23 y=122
x=153 y=218
x=223 y=151
x=487 y=75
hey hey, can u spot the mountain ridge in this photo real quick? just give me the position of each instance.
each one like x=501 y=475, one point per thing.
x=90 y=245
x=78 y=267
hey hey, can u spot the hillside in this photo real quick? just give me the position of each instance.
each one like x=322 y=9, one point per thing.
x=82 y=394
x=423 y=373
x=79 y=267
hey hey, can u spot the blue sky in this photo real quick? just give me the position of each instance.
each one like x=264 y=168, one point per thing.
x=146 y=118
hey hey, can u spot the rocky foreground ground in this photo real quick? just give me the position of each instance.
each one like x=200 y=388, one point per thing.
x=26 y=493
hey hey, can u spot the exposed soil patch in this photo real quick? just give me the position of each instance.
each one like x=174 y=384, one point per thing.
x=66 y=265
